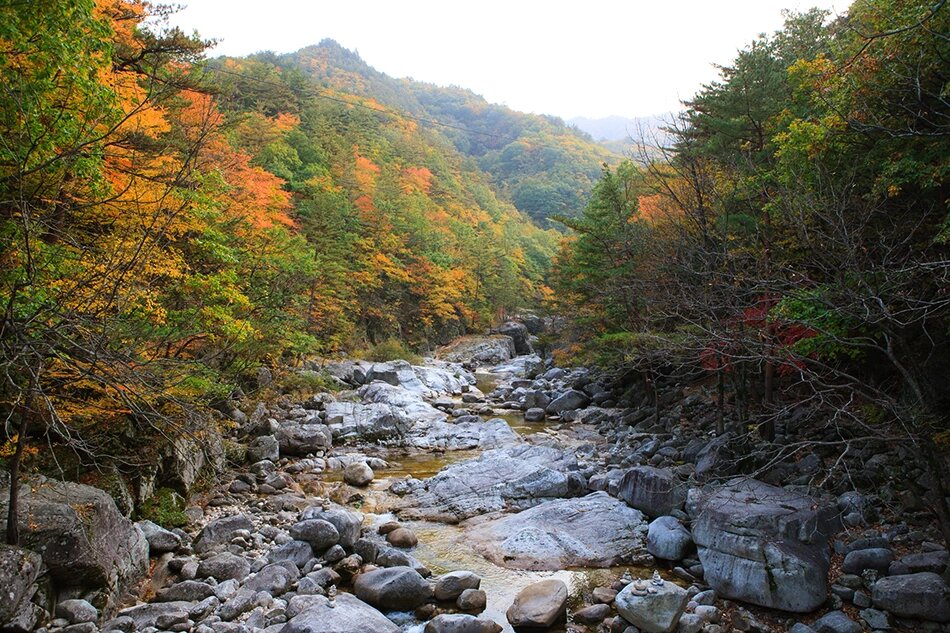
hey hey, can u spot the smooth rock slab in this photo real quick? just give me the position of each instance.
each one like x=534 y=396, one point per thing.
x=348 y=615
x=461 y=623
x=763 y=544
x=392 y=588
x=592 y=531
x=539 y=605
x=923 y=596
x=653 y=612
x=514 y=477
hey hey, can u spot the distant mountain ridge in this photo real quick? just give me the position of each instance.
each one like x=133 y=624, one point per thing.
x=543 y=165
x=618 y=128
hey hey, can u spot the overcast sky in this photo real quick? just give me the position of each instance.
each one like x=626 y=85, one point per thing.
x=584 y=58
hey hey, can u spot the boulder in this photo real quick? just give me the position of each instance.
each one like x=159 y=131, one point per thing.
x=519 y=336
x=299 y=439
x=593 y=614
x=654 y=491
x=923 y=595
x=400 y=401
x=479 y=350
x=568 y=401
x=347 y=615
x=539 y=605
x=592 y=531
x=372 y=421
x=77 y=611
x=655 y=609
x=876 y=558
x=185 y=591
x=19 y=569
x=402 y=537
x=534 y=414
x=347 y=523
x=836 y=622
x=716 y=459
x=392 y=588
x=461 y=623
x=358 y=474
x=514 y=477
x=159 y=539
x=82 y=537
x=763 y=544
x=263 y=447
x=472 y=600
x=219 y=532
x=451 y=585
x=668 y=539
x=224 y=566
x=144 y=616
x=276 y=578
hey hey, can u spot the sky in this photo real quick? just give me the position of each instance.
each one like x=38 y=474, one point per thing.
x=589 y=58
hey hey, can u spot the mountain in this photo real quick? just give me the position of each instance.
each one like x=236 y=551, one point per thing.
x=544 y=166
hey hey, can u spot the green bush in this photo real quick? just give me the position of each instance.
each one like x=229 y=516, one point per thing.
x=166 y=508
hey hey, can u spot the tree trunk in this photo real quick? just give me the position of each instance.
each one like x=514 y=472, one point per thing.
x=13 y=510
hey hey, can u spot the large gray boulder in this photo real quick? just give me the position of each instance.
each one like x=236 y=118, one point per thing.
x=219 y=532
x=763 y=544
x=224 y=566
x=657 y=609
x=539 y=605
x=654 y=491
x=568 y=401
x=19 y=569
x=372 y=421
x=924 y=596
x=508 y=478
x=299 y=439
x=147 y=615
x=159 y=539
x=668 y=539
x=392 y=588
x=519 y=336
x=347 y=523
x=82 y=537
x=348 y=614
x=479 y=350
x=451 y=585
x=592 y=531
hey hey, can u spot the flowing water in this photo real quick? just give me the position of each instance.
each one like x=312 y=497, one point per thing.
x=443 y=547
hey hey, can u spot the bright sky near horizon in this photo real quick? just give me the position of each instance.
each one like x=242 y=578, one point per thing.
x=593 y=58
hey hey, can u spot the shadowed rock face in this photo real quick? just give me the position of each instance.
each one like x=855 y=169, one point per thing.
x=592 y=531
x=763 y=544
x=82 y=537
x=519 y=476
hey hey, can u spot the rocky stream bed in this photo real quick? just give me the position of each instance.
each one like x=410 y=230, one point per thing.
x=481 y=492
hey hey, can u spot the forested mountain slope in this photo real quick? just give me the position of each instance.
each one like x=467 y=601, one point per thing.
x=544 y=166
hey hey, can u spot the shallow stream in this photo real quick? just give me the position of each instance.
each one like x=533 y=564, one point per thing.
x=442 y=547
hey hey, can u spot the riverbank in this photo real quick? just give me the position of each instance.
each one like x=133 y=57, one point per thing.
x=494 y=473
